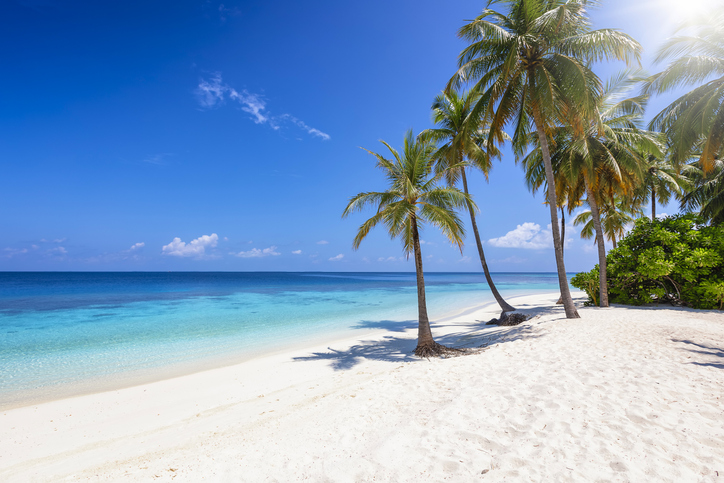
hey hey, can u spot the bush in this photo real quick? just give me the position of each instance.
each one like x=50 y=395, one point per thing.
x=677 y=260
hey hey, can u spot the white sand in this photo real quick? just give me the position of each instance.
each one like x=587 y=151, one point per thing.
x=621 y=394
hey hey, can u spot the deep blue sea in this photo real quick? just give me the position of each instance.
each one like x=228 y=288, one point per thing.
x=61 y=330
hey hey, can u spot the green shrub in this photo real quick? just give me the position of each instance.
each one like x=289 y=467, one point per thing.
x=677 y=260
x=588 y=282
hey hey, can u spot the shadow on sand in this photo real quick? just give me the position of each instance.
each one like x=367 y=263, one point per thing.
x=705 y=350
x=394 y=348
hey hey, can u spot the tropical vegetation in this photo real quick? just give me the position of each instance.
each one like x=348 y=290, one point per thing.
x=413 y=198
x=677 y=260
x=528 y=69
x=462 y=134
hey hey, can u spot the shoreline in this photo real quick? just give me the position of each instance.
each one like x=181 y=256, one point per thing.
x=622 y=393
x=139 y=377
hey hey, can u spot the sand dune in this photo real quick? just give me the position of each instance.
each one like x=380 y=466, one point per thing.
x=622 y=394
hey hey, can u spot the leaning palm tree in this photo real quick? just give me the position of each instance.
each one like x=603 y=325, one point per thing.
x=413 y=198
x=532 y=68
x=695 y=121
x=462 y=134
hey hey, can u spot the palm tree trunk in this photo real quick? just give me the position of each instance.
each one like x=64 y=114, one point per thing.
x=563 y=247
x=596 y=216
x=570 y=309
x=425 y=342
x=653 y=201
x=505 y=306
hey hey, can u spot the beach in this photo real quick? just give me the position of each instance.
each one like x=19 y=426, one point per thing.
x=621 y=394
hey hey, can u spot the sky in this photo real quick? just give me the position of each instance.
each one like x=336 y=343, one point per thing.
x=200 y=135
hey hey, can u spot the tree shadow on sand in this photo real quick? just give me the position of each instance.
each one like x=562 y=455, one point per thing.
x=396 y=349
x=706 y=350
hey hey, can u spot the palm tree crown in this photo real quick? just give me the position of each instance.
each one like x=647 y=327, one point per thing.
x=695 y=121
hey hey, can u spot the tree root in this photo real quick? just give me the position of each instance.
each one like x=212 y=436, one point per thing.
x=438 y=350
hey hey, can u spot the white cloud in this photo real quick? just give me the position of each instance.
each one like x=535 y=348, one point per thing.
x=257 y=253
x=297 y=252
x=322 y=242
x=195 y=248
x=336 y=258
x=58 y=250
x=528 y=236
x=423 y=242
x=465 y=259
x=212 y=93
x=137 y=246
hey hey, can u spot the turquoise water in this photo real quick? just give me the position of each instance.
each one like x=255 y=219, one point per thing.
x=61 y=329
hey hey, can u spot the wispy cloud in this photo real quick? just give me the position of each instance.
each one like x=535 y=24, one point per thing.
x=297 y=252
x=157 y=159
x=213 y=92
x=512 y=259
x=258 y=253
x=225 y=12
x=391 y=259
x=136 y=246
x=303 y=125
x=336 y=258
x=528 y=236
x=195 y=248
x=322 y=242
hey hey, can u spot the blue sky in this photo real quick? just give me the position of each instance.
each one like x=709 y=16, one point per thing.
x=200 y=135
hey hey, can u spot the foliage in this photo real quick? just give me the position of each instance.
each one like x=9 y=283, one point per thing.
x=588 y=282
x=695 y=121
x=677 y=260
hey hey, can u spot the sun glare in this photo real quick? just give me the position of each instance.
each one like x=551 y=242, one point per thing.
x=682 y=10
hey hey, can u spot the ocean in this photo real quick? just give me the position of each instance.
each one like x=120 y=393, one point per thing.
x=68 y=333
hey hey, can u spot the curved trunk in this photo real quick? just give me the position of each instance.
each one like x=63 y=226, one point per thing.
x=568 y=305
x=505 y=306
x=596 y=216
x=424 y=335
x=653 y=201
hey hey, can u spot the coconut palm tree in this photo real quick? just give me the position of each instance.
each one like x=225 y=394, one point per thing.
x=602 y=161
x=706 y=191
x=661 y=182
x=413 y=198
x=694 y=122
x=615 y=217
x=463 y=137
x=532 y=68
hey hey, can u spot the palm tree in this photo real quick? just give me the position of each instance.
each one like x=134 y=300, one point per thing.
x=601 y=161
x=460 y=129
x=532 y=69
x=661 y=182
x=615 y=217
x=706 y=193
x=695 y=121
x=413 y=198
